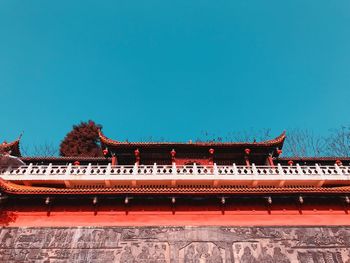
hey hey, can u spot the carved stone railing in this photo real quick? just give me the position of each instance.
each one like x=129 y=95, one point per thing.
x=60 y=170
x=233 y=174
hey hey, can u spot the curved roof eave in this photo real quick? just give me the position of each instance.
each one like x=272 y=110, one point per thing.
x=12 y=188
x=277 y=142
x=11 y=146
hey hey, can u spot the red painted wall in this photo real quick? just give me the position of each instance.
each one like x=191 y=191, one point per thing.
x=135 y=215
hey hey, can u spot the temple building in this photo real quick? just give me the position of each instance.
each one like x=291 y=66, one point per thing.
x=157 y=202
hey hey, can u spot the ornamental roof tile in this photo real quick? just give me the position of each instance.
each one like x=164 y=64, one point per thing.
x=12 y=188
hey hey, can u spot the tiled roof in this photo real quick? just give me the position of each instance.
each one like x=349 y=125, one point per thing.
x=277 y=142
x=47 y=159
x=13 y=188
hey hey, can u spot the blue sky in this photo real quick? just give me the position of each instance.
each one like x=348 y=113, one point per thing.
x=172 y=69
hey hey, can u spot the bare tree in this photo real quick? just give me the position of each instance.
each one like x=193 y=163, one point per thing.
x=239 y=136
x=250 y=135
x=303 y=143
x=338 y=142
x=47 y=149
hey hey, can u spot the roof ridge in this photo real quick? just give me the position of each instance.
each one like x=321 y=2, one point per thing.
x=278 y=140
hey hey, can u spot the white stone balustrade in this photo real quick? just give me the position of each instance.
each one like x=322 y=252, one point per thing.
x=137 y=175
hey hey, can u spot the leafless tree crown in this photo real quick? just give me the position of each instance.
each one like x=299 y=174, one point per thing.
x=338 y=143
x=303 y=143
x=47 y=149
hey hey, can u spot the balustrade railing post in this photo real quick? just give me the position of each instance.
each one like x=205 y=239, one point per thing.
x=154 y=172
x=280 y=169
x=195 y=170
x=69 y=167
x=254 y=170
x=108 y=169
x=282 y=175
x=48 y=169
x=134 y=169
x=28 y=170
x=338 y=169
x=234 y=168
x=300 y=171
x=215 y=170
x=174 y=170
x=88 y=169
x=319 y=170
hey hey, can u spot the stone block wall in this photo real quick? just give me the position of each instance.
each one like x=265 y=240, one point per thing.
x=175 y=244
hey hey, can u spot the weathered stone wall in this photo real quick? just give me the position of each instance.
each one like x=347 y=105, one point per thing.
x=176 y=244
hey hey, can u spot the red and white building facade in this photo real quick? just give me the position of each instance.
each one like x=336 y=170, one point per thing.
x=175 y=184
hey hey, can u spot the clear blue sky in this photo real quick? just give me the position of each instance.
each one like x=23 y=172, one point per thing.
x=172 y=68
